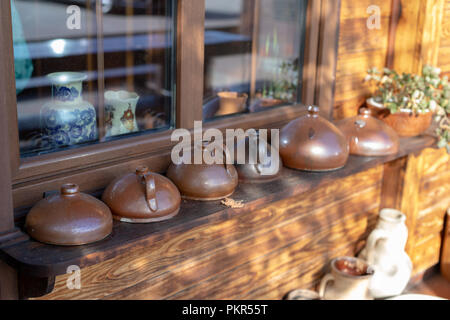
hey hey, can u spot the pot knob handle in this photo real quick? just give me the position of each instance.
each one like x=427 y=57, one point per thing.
x=150 y=187
x=323 y=284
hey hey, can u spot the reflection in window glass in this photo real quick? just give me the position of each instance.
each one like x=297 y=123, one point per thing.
x=253 y=55
x=86 y=76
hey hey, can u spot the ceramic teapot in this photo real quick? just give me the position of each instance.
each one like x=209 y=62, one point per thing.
x=69 y=218
x=142 y=197
x=205 y=182
x=369 y=136
x=312 y=143
x=349 y=280
x=256 y=168
x=385 y=251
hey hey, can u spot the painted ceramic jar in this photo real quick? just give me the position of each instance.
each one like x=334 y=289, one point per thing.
x=120 y=115
x=385 y=251
x=68 y=119
x=349 y=280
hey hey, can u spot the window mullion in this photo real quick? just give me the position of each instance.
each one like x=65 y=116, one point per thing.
x=190 y=62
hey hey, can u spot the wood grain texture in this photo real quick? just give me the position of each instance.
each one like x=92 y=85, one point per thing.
x=360 y=48
x=9 y=289
x=173 y=268
x=190 y=57
x=327 y=56
x=418 y=35
x=445 y=256
x=426 y=253
x=7 y=117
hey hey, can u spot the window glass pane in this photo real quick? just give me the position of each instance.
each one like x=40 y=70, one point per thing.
x=92 y=71
x=253 y=55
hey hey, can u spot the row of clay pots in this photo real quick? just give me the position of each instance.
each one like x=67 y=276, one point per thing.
x=309 y=143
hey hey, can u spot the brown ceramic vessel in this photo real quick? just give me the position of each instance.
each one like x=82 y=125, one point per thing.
x=204 y=182
x=142 y=197
x=369 y=136
x=231 y=102
x=255 y=169
x=312 y=143
x=69 y=218
x=404 y=122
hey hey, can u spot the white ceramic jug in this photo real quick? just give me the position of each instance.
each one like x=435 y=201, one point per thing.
x=120 y=112
x=385 y=251
x=349 y=280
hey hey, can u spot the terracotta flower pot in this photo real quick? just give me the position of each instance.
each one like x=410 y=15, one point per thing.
x=231 y=102
x=405 y=122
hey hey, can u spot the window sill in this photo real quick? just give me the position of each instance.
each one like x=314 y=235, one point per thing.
x=43 y=261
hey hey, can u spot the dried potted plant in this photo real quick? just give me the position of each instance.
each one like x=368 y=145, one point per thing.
x=407 y=102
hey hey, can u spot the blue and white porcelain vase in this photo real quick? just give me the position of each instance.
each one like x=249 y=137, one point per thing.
x=68 y=119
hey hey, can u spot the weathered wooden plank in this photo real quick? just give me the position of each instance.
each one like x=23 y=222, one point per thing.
x=303 y=276
x=356 y=37
x=434 y=193
x=435 y=161
x=249 y=236
x=445 y=256
x=236 y=282
x=426 y=253
x=418 y=35
x=430 y=223
x=358 y=9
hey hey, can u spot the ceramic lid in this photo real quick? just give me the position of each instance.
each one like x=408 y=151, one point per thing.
x=369 y=136
x=142 y=197
x=255 y=169
x=313 y=143
x=69 y=218
x=204 y=182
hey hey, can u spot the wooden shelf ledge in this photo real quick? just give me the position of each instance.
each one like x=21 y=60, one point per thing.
x=41 y=261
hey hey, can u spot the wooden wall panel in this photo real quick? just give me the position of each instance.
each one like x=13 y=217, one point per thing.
x=444 y=49
x=434 y=200
x=238 y=257
x=359 y=49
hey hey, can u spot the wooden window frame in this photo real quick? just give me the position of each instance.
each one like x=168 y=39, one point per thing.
x=92 y=167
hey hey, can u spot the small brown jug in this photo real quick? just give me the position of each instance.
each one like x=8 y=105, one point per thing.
x=142 y=197
x=69 y=218
x=205 y=182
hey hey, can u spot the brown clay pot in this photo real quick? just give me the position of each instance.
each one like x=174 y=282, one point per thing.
x=312 y=143
x=404 y=122
x=257 y=170
x=231 y=102
x=142 y=197
x=369 y=136
x=204 y=182
x=69 y=218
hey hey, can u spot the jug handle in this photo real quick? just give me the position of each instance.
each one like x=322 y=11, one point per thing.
x=372 y=242
x=150 y=192
x=323 y=284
